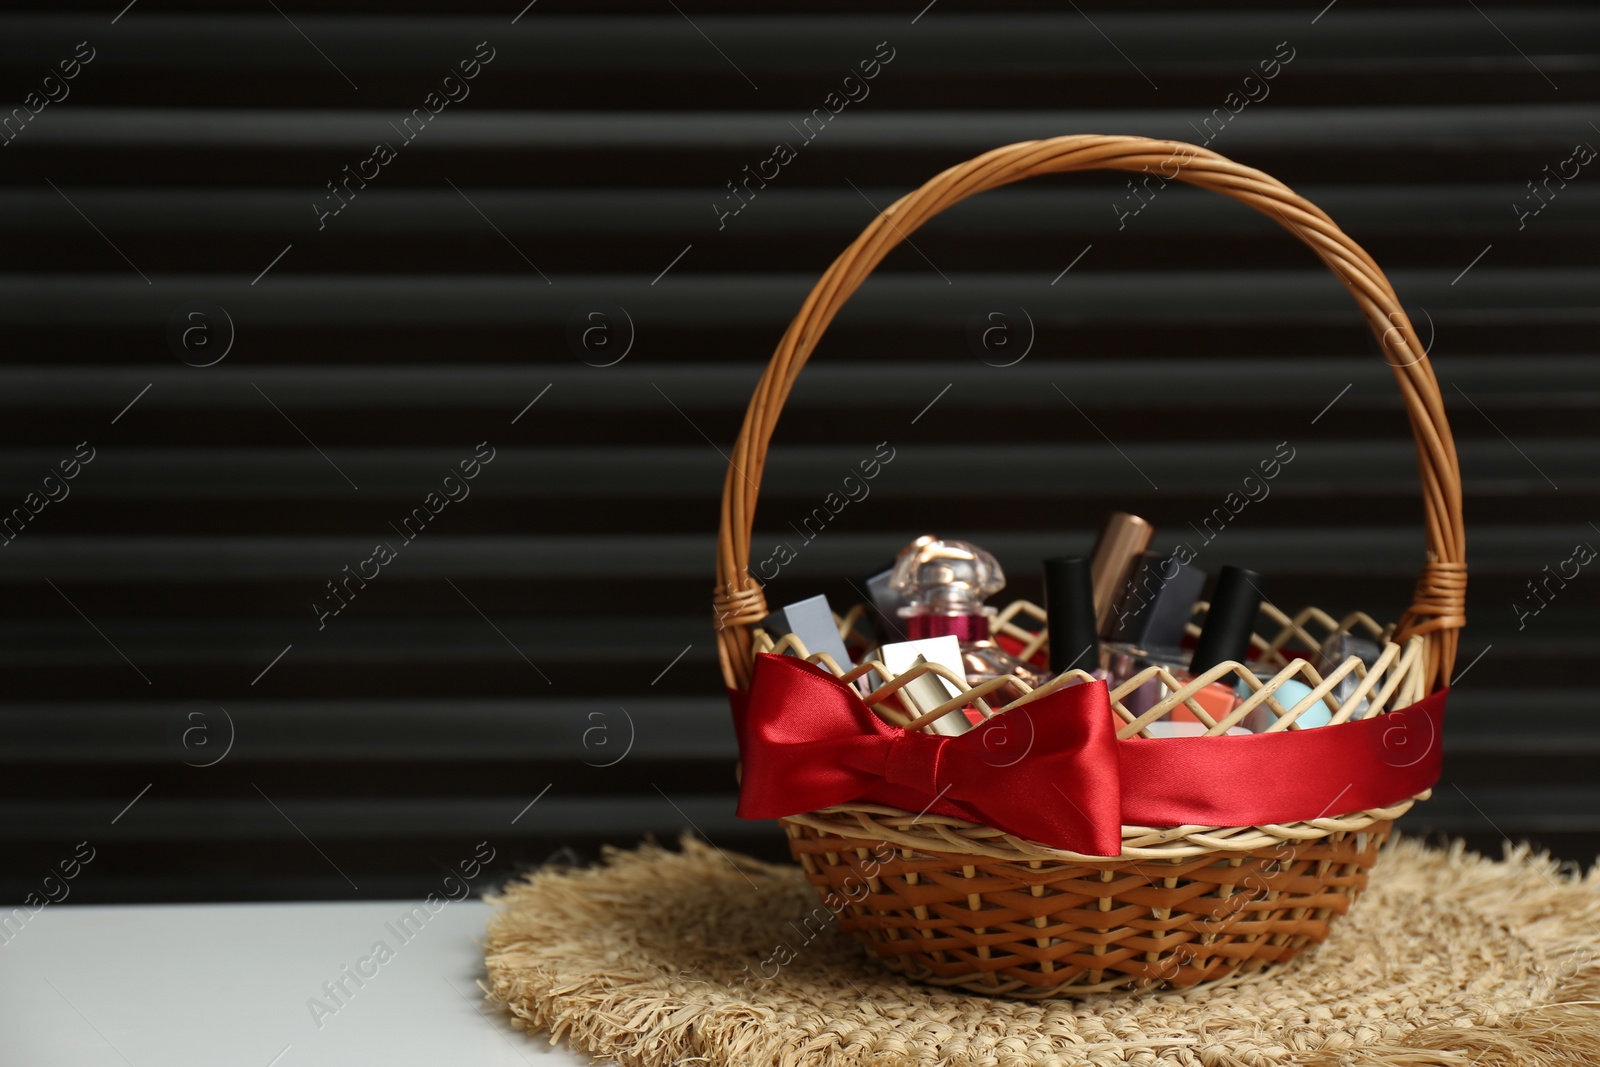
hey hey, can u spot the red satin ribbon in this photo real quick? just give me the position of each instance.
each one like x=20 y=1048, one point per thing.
x=1053 y=771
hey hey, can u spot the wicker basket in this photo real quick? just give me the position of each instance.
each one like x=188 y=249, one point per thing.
x=967 y=906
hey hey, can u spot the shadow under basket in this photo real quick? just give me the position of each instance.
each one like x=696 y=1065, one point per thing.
x=1050 y=928
x=970 y=907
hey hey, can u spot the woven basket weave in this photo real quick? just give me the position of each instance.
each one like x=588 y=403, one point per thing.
x=964 y=905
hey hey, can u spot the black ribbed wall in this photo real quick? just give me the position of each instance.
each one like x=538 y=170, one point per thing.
x=535 y=627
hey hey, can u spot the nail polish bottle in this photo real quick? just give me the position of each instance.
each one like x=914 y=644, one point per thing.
x=1122 y=540
x=945 y=584
x=1337 y=649
x=1152 y=612
x=1070 y=616
x=1229 y=624
x=1149 y=626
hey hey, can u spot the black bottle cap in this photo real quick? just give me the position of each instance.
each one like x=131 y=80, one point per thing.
x=1069 y=605
x=1232 y=619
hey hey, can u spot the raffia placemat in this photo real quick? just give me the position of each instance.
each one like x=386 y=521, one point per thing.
x=695 y=956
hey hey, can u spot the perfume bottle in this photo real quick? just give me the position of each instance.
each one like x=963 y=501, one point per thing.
x=1070 y=616
x=944 y=584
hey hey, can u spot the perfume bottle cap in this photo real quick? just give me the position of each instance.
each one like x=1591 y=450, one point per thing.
x=1230 y=621
x=945 y=577
x=1069 y=604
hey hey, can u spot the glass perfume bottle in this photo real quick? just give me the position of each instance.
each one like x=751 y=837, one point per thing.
x=945 y=584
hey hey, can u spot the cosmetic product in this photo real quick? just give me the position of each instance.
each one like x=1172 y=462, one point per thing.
x=886 y=605
x=929 y=691
x=886 y=600
x=1230 y=623
x=1157 y=602
x=1290 y=693
x=1168 y=728
x=1226 y=636
x=812 y=622
x=1069 y=608
x=945 y=650
x=1338 y=648
x=1335 y=650
x=944 y=584
x=1122 y=540
x=1149 y=625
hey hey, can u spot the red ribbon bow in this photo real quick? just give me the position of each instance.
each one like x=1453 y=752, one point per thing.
x=809 y=742
x=1053 y=771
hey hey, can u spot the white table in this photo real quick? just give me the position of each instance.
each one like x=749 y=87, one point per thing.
x=227 y=985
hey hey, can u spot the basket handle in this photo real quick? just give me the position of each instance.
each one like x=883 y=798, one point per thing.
x=1438 y=608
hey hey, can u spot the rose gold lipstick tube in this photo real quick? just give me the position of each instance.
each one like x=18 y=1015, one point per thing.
x=1123 y=540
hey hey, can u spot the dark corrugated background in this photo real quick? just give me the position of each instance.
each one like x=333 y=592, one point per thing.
x=560 y=611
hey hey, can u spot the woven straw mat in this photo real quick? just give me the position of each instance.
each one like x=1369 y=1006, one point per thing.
x=696 y=956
